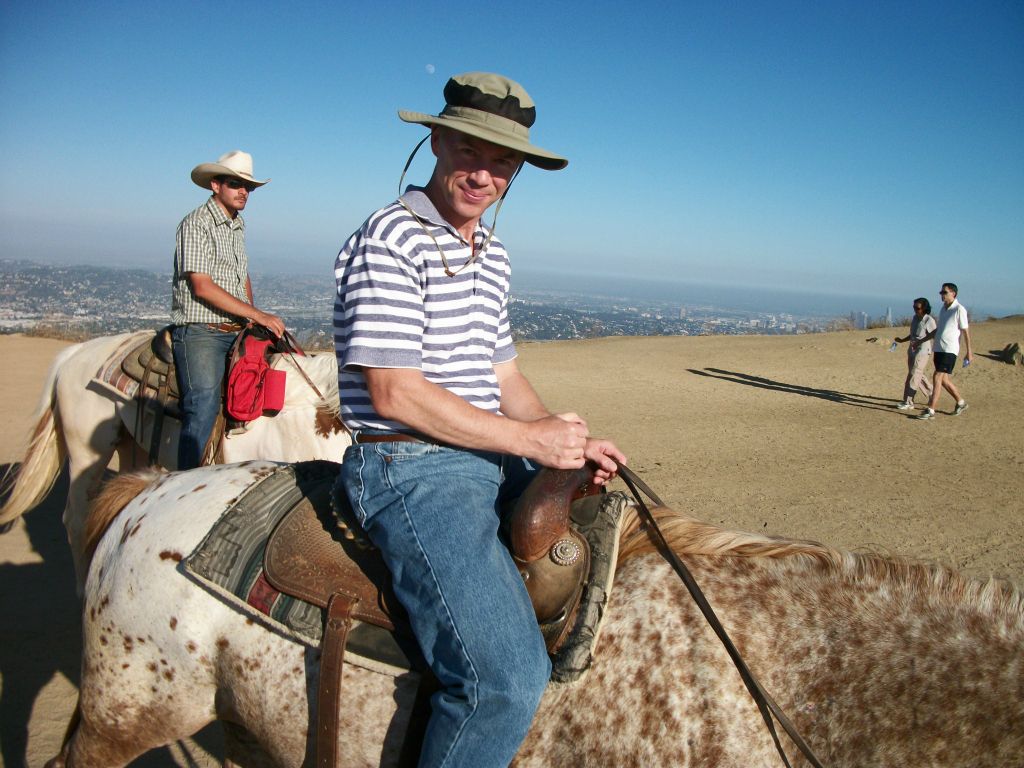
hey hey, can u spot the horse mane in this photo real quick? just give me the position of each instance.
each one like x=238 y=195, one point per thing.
x=322 y=369
x=690 y=537
x=114 y=496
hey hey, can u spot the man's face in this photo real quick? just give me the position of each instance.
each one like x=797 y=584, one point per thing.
x=470 y=175
x=232 y=194
x=948 y=297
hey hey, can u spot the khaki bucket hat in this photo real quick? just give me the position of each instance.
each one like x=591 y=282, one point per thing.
x=493 y=108
x=236 y=163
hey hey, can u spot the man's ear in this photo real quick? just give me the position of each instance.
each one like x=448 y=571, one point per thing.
x=436 y=136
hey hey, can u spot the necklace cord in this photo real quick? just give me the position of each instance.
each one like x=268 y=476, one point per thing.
x=474 y=253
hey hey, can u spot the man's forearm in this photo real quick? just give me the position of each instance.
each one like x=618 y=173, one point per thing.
x=218 y=298
x=404 y=395
x=519 y=400
x=205 y=289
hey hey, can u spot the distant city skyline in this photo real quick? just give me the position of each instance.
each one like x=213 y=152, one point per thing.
x=82 y=289
x=850 y=147
x=83 y=301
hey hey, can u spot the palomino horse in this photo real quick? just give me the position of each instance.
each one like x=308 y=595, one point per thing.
x=878 y=662
x=87 y=424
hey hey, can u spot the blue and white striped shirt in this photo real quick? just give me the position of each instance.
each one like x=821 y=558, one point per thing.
x=395 y=307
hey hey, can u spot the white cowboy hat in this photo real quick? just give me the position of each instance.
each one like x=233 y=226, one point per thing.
x=235 y=163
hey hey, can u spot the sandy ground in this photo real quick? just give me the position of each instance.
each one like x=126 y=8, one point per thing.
x=792 y=435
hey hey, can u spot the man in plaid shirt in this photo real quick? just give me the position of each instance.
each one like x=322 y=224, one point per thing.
x=211 y=296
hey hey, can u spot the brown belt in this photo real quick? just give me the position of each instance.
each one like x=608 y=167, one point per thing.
x=225 y=327
x=401 y=437
x=392 y=437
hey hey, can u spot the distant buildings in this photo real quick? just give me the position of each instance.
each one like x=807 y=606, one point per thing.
x=859 y=320
x=93 y=301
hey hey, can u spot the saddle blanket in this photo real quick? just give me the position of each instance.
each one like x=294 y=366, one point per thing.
x=229 y=563
x=111 y=375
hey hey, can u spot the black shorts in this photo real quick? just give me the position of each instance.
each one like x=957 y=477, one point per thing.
x=945 y=362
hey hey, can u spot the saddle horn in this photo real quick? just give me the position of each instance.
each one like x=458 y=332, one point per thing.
x=541 y=515
x=552 y=557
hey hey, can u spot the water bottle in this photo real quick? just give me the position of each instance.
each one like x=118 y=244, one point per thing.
x=892 y=347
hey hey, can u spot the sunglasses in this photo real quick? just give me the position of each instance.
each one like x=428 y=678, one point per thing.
x=918 y=308
x=943 y=293
x=236 y=184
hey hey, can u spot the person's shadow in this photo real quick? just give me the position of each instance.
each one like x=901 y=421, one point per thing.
x=842 y=398
x=40 y=611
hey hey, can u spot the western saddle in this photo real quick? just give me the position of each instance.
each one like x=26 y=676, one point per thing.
x=303 y=559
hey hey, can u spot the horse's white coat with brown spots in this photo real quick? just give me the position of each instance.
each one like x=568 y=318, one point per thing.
x=878 y=663
x=86 y=424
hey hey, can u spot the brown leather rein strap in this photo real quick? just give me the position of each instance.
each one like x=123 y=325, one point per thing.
x=765 y=703
x=292 y=344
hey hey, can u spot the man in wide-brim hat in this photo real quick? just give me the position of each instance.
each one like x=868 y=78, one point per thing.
x=211 y=296
x=446 y=428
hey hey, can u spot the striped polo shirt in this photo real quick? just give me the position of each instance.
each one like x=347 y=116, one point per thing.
x=396 y=307
x=211 y=242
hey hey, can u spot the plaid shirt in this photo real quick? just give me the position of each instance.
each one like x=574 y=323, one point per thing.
x=212 y=243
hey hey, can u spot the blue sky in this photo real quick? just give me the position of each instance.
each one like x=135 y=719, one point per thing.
x=840 y=147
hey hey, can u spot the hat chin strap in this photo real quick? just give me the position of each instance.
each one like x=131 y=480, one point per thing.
x=494 y=221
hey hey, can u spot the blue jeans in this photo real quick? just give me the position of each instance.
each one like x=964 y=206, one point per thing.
x=200 y=359
x=433 y=513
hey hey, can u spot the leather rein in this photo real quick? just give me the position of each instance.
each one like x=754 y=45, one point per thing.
x=291 y=346
x=765 y=703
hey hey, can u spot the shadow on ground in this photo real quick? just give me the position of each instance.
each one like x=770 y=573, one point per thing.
x=842 y=398
x=39 y=609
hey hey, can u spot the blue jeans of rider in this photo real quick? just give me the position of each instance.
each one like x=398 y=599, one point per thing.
x=200 y=359
x=434 y=514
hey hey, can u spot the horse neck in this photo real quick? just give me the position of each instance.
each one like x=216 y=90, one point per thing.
x=775 y=599
x=322 y=369
x=837 y=645
x=809 y=559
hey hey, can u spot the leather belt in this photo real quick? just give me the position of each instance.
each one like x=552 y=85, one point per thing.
x=401 y=437
x=225 y=327
x=391 y=437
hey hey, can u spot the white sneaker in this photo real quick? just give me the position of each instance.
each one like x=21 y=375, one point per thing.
x=928 y=413
x=960 y=408
x=906 y=405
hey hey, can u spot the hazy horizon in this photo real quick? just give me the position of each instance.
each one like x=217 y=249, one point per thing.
x=617 y=287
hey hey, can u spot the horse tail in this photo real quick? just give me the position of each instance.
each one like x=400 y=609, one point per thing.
x=115 y=495
x=26 y=485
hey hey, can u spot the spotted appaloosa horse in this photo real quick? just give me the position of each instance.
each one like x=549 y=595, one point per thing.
x=87 y=424
x=878 y=662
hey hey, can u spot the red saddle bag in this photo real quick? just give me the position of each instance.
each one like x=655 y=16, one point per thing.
x=253 y=388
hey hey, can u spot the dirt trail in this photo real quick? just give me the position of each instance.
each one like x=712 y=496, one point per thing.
x=793 y=435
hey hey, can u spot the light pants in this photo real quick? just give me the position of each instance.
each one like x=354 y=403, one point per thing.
x=918 y=377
